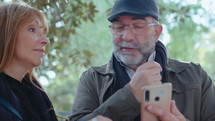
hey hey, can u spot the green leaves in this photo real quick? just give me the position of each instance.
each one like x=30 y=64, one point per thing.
x=80 y=38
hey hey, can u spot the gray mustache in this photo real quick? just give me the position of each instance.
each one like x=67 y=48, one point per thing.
x=128 y=45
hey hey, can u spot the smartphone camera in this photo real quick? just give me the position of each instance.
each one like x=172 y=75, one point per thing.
x=147 y=96
x=156 y=98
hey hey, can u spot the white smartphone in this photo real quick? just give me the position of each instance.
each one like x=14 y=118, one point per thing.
x=158 y=95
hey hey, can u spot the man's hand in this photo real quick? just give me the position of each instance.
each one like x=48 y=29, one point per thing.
x=173 y=115
x=146 y=74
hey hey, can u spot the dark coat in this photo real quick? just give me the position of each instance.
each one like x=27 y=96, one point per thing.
x=193 y=92
x=32 y=103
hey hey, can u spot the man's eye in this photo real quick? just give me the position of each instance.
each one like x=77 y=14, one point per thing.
x=119 y=27
x=139 y=26
x=31 y=29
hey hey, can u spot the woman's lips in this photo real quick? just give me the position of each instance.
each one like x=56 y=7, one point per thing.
x=41 y=51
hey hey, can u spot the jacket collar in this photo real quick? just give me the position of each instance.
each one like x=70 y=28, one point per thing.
x=172 y=66
x=176 y=66
x=105 y=69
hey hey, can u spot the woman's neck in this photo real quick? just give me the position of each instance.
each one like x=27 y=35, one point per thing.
x=17 y=72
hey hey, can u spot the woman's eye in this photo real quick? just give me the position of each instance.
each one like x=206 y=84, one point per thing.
x=31 y=29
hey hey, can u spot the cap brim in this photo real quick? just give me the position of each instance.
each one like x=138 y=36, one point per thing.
x=114 y=17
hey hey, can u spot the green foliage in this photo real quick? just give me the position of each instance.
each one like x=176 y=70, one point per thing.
x=206 y=50
x=183 y=30
x=80 y=38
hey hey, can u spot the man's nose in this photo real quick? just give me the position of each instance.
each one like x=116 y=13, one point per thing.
x=127 y=34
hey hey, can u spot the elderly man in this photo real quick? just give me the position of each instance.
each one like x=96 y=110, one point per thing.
x=139 y=59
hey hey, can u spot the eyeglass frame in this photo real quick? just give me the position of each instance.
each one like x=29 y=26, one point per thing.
x=131 y=29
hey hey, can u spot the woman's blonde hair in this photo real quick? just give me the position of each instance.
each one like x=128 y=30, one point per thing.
x=12 y=17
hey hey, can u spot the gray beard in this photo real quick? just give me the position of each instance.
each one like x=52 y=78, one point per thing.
x=144 y=59
x=143 y=56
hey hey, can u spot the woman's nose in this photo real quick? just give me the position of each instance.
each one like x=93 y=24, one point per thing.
x=45 y=41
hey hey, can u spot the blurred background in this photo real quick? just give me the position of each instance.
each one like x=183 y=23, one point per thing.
x=80 y=38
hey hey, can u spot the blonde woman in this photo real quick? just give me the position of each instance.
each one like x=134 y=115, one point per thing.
x=23 y=40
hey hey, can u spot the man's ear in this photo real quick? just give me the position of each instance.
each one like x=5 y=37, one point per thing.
x=158 y=30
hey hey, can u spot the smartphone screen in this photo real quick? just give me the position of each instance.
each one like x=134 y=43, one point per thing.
x=158 y=95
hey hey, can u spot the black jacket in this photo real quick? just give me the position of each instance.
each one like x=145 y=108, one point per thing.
x=32 y=103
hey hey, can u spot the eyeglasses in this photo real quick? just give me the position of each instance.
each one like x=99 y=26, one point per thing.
x=138 y=28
